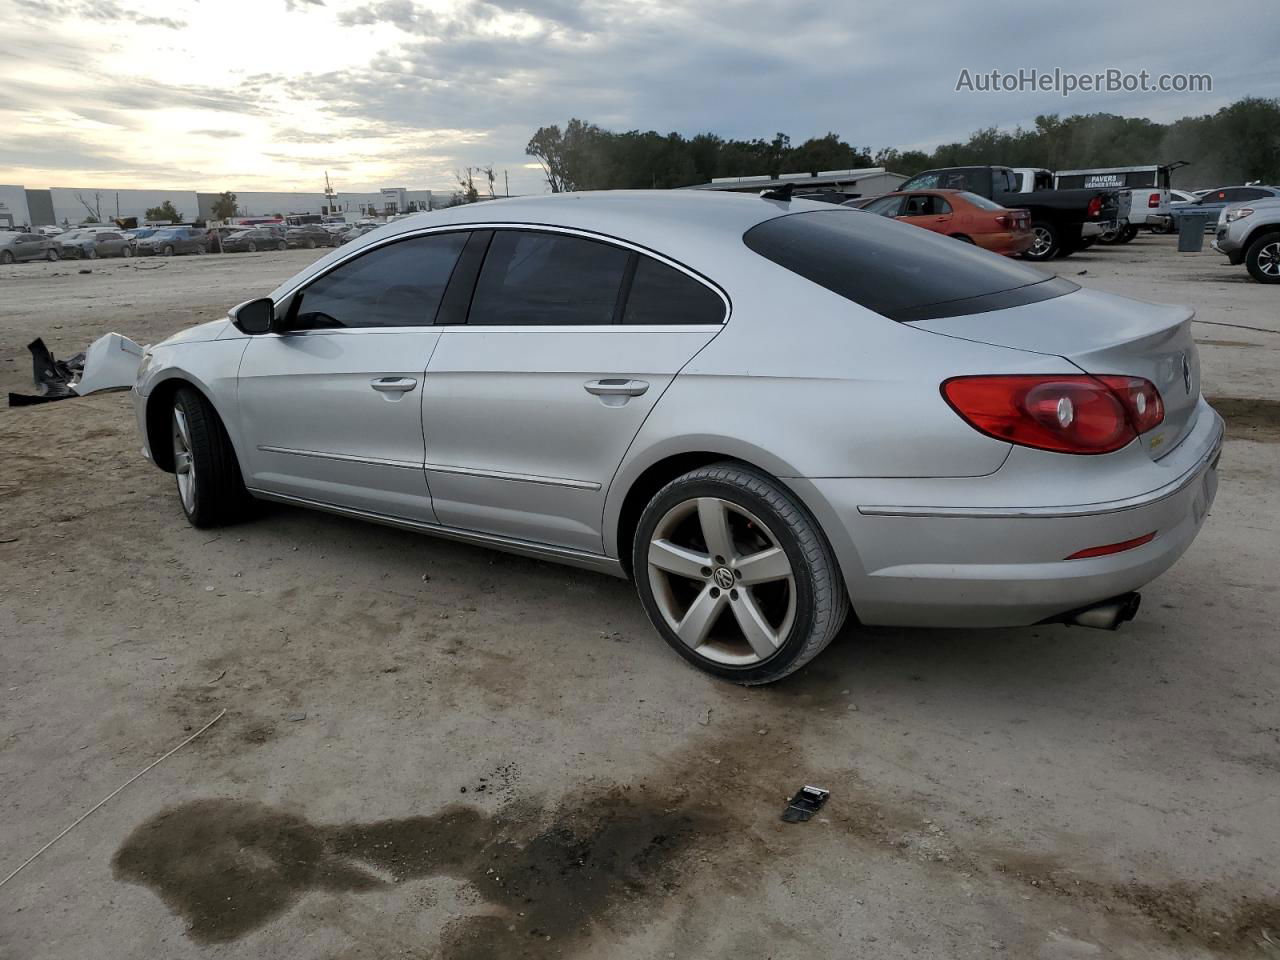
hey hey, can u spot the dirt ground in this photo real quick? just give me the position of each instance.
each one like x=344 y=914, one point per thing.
x=432 y=750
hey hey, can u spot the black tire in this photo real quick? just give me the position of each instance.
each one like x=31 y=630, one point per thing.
x=6 y=257
x=219 y=497
x=282 y=245
x=168 y=250
x=1047 y=241
x=1263 y=258
x=821 y=603
x=91 y=253
x=310 y=244
x=52 y=255
x=252 y=247
x=1127 y=234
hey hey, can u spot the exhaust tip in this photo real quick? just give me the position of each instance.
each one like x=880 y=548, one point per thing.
x=1104 y=615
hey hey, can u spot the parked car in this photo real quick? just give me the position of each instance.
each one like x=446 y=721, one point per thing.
x=251 y=241
x=168 y=241
x=18 y=245
x=49 y=230
x=1060 y=219
x=1250 y=234
x=764 y=412
x=89 y=245
x=1213 y=202
x=962 y=215
x=356 y=232
x=1177 y=197
x=309 y=236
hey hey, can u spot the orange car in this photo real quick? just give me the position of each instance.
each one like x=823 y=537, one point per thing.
x=960 y=214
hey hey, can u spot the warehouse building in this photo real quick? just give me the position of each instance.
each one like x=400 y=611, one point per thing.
x=21 y=207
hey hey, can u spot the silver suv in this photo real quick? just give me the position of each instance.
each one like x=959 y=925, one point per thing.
x=1249 y=233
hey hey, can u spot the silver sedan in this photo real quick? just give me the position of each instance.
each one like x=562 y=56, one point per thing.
x=768 y=413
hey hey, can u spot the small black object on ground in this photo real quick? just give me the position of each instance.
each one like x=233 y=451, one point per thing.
x=807 y=801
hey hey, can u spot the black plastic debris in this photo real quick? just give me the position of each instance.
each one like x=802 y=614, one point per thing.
x=52 y=377
x=807 y=801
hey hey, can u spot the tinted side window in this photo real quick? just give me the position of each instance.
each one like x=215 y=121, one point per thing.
x=1250 y=193
x=899 y=271
x=662 y=294
x=399 y=285
x=542 y=279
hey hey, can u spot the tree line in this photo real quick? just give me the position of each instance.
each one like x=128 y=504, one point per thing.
x=1237 y=144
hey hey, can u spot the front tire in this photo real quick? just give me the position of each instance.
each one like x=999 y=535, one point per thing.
x=167 y=251
x=252 y=247
x=210 y=487
x=1263 y=258
x=735 y=574
x=126 y=251
x=6 y=257
x=52 y=256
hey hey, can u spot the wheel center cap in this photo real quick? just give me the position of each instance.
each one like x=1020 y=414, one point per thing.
x=723 y=578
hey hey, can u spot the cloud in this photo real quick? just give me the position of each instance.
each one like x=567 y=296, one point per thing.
x=100 y=11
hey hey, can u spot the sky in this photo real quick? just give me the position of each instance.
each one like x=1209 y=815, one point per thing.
x=269 y=94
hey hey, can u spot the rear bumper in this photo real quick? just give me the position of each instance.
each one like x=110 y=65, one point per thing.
x=917 y=563
x=1009 y=243
x=1098 y=228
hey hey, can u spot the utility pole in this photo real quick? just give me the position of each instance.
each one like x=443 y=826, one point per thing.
x=506 y=179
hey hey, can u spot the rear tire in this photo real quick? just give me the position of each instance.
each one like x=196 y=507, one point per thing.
x=282 y=245
x=1263 y=258
x=52 y=255
x=126 y=251
x=167 y=251
x=91 y=253
x=252 y=247
x=736 y=575
x=1046 y=242
x=6 y=257
x=210 y=487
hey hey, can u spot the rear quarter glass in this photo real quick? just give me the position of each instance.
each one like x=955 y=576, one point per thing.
x=900 y=271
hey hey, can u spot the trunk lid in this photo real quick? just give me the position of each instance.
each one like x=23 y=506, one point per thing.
x=1102 y=333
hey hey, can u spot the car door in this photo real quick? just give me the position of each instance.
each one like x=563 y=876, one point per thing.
x=927 y=210
x=530 y=404
x=28 y=247
x=330 y=407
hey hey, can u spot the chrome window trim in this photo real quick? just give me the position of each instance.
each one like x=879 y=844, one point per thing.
x=536 y=227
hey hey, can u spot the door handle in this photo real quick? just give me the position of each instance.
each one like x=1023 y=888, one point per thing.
x=393 y=384
x=616 y=388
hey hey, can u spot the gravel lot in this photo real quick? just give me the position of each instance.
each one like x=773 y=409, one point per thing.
x=431 y=750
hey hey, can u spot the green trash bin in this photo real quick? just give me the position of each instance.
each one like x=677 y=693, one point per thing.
x=1191 y=228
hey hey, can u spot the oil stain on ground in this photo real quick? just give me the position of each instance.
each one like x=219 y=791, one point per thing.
x=229 y=866
x=1249 y=419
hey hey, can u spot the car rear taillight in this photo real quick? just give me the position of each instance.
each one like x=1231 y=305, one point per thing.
x=1153 y=200
x=1095 y=206
x=1067 y=414
x=1003 y=220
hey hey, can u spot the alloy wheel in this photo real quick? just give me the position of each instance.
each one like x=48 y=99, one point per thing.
x=1269 y=259
x=1043 y=241
x=183 y=464
x=722 y=581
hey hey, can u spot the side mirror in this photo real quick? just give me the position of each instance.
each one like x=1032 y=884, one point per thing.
x=254 y=317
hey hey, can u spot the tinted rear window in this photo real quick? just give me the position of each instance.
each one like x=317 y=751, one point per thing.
x=899 y=271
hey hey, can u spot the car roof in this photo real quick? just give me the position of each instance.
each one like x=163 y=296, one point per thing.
x=689 y=226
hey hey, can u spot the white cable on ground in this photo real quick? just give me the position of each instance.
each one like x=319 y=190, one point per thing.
x=104 y=800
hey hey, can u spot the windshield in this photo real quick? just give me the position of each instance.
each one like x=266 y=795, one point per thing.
x=899 y=271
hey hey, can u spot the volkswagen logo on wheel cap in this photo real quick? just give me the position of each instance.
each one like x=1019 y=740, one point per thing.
x=1186 y=373
x=723 y=578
